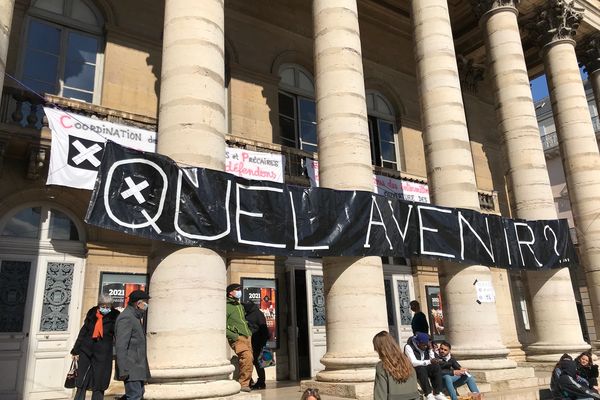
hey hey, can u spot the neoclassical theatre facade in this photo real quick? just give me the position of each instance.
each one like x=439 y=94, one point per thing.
x=435 y=93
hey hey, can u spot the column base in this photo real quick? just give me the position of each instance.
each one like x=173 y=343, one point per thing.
x=542 y=352
x=190 y=390
x=349 y=390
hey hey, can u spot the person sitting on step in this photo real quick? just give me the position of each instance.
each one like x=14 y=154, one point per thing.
x=453 y=375
x=419 y=351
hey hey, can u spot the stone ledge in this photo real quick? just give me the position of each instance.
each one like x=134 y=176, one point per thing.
x=239 y=396
x=350 y=390
x=502 y=374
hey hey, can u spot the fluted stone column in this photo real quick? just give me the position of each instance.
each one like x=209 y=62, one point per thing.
x=554 y=312
x=577 y=141
x=452 y=183
x=354 y=292
x=187 y=349
x=6 y=14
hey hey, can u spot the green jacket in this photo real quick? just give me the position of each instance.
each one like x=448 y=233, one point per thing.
x=236 y=320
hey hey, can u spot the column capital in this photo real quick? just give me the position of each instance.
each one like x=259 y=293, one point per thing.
x=470 y=73
x=556 y=20
x=588 y=53
x=481 y=7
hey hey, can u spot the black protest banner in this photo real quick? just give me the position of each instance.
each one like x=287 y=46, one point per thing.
x=148 y=195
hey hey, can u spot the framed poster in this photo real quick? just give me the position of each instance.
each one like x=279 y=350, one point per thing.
x=120 y=285
x=263 y=293
x=435 y=313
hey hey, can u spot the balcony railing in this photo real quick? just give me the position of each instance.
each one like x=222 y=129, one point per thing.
x=550 y=140
x=18 y=107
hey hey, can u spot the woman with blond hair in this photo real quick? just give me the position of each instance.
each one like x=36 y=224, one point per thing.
x=395 y=378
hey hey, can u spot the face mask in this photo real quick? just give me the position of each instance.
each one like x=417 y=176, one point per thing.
x=104 y=310
x=143 y=306
x=237 y=294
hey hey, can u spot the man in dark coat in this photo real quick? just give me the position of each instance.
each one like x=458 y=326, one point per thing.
x=130 y=345
x=260 y=335
x=419 y=320
x=93 y=350
x=564 y=385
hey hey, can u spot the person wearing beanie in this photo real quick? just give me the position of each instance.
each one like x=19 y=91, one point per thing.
x=130 y=346
x=420 y=353
x=238 y=334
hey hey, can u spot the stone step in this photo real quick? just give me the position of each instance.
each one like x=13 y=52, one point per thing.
x=503 y=374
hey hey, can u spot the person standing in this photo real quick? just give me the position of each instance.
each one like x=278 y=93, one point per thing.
x=93 y=349
x=238 y=334
x=130 y=346
x=395 y=378
x=419 y=320
x=260 y=335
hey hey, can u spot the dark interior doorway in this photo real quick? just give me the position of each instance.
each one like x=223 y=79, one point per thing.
x=304 y=370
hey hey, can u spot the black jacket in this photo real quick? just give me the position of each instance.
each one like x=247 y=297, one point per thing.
x=95 y=355
x=419 y=323
x=448 y=366
x=564 y=385
x=590 y=374
x=258 y=326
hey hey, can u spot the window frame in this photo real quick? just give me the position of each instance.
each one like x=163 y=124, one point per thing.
x=375 y=139
x=65 y=25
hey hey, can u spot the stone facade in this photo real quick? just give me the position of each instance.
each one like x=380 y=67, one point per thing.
x=454 y=77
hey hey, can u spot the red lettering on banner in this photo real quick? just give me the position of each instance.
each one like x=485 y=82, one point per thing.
x=62 y=121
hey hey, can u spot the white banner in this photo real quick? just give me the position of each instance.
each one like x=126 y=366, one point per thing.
x=383 y=185
x=78 y=144
x=254 y=165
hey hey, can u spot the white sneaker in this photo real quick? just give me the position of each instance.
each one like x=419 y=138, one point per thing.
x=440 y=396
x=430 y=396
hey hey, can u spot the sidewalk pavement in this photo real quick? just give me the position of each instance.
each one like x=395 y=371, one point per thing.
x=286 y=391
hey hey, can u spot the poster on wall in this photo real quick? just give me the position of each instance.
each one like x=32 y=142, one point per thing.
x=263 y=293
x=119 y=286
x=435 y=313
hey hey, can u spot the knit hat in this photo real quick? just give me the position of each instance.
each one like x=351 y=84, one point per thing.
x=137 y=295
x=421 y=337
x=233 y=286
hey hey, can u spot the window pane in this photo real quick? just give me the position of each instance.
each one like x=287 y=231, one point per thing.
x=287 y=131
x=388 y=152
x=310 y=148
x=287 y=77
x=41 y=66
x=308 y=132
x=305 y=82
x=83 y=13
x=286 y=105
x=308 y=110
x=78 y=94
x=40 y=87
x=26 y=224
x=14 y=280
x=80 y=76
x=81 y=48
x=55 y=6
x=386 y=131
x=61 y=227
x=43 y=37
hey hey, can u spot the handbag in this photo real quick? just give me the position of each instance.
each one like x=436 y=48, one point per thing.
x=71 y=375
x=265 y=358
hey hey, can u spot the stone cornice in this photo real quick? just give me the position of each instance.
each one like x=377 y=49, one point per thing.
x=556 y=20
x=588 y=53
x=480 y=7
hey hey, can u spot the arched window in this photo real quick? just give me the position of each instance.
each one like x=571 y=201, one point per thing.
x=62 y=49
x=33 y=223
x=297 y=113
x=382 y=130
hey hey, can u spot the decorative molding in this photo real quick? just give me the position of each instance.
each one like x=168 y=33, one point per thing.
x=588 y=53
x=557 y=20
x=480 y=7
x=470 y=73
x=57 y=297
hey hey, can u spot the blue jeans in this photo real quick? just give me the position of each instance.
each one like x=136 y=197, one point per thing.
x=134 y=390
x=451 y=381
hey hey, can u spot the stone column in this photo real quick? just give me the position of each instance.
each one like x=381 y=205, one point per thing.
x=590 y=57
x=187 y=349
x=354 y=292
x=452 y=183
x=577 y=141
x=553 y=302
x=6 y=14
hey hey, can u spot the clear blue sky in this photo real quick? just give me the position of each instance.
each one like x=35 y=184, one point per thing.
x=539 y=87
